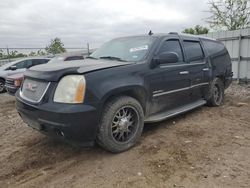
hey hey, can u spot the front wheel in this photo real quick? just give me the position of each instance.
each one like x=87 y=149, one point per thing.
x=2 y=87
x=216 y=93
x=121 y=124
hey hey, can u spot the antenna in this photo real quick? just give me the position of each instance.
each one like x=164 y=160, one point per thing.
x=150 y=33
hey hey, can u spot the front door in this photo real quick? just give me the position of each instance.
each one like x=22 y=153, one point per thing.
x=169 y=83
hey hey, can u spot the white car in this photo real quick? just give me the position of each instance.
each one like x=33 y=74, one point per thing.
x=18 y=66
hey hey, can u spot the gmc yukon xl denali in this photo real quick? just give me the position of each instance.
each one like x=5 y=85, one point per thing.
x=127 y=82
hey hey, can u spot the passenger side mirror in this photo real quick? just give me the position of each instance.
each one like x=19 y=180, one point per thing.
x=13 y=67
x=164 y=58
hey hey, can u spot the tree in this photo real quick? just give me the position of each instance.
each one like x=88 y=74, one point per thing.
x=41 y=53
x=55 y=46
x=32 y=54
x=229 y=14
x=16 y=54
x=197 y=30
x=1 y=54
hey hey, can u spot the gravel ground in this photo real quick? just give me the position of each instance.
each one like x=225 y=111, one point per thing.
x=208 y=147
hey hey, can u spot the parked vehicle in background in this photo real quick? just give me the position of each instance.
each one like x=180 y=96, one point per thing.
x=128 y=81
x=18 y=66
x=66 y=57
x=13 y=83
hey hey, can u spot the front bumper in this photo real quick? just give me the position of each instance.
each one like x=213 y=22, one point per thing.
x=76 y=123
x=11 y=89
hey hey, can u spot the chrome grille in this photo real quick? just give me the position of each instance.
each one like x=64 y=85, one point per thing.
x=9 y=82
x=34 y=90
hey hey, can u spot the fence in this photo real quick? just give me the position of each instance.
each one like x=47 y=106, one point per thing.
x=238 y=45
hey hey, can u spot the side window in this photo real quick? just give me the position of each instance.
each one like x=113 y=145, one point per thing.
x=193 y=50
x=213 y=47
x=24 y=64
x=39 y=61
x=172 y=45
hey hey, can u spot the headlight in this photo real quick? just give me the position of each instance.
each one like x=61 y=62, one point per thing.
x=71 y=89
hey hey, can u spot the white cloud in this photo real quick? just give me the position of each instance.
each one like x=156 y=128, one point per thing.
x=32 y=23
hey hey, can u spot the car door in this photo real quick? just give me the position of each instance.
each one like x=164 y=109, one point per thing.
x=198 y=68
x=39 y=62
x=170 y=83
x=20 y=67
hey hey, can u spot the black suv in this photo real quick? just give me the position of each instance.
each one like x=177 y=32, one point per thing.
x=128 y=81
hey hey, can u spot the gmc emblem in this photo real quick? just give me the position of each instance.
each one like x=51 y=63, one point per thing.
x=31 y=87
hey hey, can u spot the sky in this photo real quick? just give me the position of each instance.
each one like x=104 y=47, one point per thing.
x=33 y=23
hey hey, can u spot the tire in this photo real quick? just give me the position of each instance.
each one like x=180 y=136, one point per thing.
x=2 y=87
x=121 y=124
x=216 y=93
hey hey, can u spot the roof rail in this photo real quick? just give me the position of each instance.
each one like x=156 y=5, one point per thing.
x=174 y=33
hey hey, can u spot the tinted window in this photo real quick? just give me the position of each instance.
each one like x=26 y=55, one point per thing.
x=24 y=64
x=193 y=50
x=172 y=46
x=39 y=61
x=213 y=47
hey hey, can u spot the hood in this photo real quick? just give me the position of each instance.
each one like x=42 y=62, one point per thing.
x=54 y=71
x=15 y=76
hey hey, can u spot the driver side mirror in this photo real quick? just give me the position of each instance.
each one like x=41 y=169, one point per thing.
x=13 y=67
x=164 y=58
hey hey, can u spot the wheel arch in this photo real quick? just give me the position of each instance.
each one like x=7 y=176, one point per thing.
x=137 y=92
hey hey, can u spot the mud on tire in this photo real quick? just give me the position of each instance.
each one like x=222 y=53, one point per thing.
x=121 y=124
x=216 y=93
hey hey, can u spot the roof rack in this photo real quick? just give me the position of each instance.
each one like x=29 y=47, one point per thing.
x=174 y=33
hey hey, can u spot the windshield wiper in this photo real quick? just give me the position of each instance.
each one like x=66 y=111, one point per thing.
x=90 y=57
x=112 y=58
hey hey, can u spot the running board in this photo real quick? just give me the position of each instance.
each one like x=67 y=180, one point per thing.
x=174 y=112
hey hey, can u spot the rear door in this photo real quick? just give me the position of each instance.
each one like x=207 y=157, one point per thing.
x=198 y=69
x=39 y=61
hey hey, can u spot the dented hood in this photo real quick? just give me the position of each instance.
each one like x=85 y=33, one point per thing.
x=54 y=71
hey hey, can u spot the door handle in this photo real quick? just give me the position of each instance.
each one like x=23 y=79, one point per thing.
x=205 y=69
x=184 y=72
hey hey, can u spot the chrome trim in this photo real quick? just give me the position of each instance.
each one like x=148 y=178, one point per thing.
x=183 y=72
x=35 y=102
x=175 y=113
x=177 y=90
x=201 y=84
x=182 y=64
x=205 y=69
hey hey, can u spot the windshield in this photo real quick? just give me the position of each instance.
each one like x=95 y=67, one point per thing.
x=125 y=49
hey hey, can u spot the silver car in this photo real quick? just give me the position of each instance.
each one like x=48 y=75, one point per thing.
x=18 y=66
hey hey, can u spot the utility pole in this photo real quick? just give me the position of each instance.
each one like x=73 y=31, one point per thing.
x=88 y=49
x=8 y=53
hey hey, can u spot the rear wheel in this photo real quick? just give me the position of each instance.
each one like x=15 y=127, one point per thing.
x=216 y=93
x=2 y=87
x=121 y=124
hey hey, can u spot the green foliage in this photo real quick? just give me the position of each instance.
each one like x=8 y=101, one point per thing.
x=32 y=54
x=229 y=14
x=41 y=53
x=55 y=46
x=12 y=54
x=197 y=30
x=1 y=54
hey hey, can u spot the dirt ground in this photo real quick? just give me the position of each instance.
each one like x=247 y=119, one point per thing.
x=208 y=147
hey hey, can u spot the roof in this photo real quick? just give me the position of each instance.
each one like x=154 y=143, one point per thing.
x=172 y=33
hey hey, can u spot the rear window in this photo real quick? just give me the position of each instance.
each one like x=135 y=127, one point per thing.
x=213 y=47
x=193 y=50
